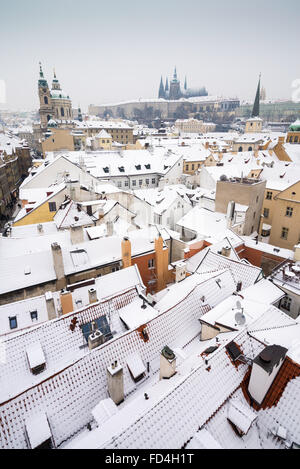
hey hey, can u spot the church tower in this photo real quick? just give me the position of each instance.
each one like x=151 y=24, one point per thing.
x=45 y=100
x=175 y=92
x=61 y=103
x=254 y=124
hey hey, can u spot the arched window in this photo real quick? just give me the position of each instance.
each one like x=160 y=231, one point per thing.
x=62 y=111
x=45 y=100
x=296 y=140
x=241 y=149
x=48 y=117
x=250 y=149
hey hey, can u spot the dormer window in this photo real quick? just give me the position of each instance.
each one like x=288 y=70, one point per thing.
x=138 y=166
x=121 y=169
x=13 y=324
x=34 y=315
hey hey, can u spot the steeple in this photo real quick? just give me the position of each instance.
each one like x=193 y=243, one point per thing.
x=41 y=71
x=175 y=74
x=42 y=81
x=167 y=85
x=255 y=110
x=55 y=82
x=161 y=93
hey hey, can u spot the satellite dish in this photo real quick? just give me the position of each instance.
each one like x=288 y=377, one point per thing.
x=238 y=305
x=240 y=319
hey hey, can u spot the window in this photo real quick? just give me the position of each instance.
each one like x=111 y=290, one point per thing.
x=289 y=211
x=33 y=315
x=147 y=181
x=134 y=182
x=140 y=182
x=241 y=149
x=62 y=111
x=193 y=167
x=45 y=100
x=119 y=183
x=286 y=303
x=186 y=167
x=254 y=215
x=256 y=199
x=151 y=263
x=13 y=324
x=266 y=212
x=153 y=181
x=269 y=195
x=284 y=233
x=126 y=183
x=115 y=269
x=52 y=206
x=250 y=149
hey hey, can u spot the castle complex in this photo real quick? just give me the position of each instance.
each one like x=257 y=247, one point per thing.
x=174 y=91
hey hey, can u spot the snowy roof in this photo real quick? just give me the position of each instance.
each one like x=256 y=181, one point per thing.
x=240 y=415
x=71 y=214
x=133 y=315
x=37 y=429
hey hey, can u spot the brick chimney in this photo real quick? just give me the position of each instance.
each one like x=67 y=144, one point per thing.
x=265 y=368
x=167 y=363
x=66 y=302
x=115 y=382
x=58 y=265
x=126 y=252
x=76 y=233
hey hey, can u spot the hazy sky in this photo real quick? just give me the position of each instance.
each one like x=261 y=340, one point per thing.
x=109 y=51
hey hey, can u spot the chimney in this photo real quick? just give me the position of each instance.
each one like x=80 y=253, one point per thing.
x=66 y=302
x=92 y=295
x=96 y=338
x=180 y=272
x=109 y=228
x=207 y=145
x=161 y=263
x=226 y=251
x=126 y=252
x=256 y=153
x=230 y=213
x=76 y=233
x=297 y=253
x=167 y=363
x=115 y=382
x=40 y=228
x=50 y=305
x=265 y=367
x=58 y=265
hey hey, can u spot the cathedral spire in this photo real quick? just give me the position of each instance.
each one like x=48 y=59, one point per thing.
x=167 y=85
x=255 y=110
x=175 y=74
x=161 y=93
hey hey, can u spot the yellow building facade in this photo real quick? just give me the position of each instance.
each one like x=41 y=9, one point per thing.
x=281 y=210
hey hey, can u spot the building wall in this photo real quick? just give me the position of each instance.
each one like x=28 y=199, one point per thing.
x=251 y=195
x=42 y=213
x=61 y=139
x=287 y=198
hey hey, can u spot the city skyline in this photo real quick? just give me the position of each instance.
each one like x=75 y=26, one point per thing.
x=104 y=54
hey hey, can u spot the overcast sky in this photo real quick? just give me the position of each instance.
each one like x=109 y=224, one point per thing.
x=110 y=51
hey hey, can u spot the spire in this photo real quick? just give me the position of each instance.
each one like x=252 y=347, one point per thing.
x=255 y=110
x=175 y=74
x=185 y=85
x=161 y=93
x=41 y=71
x=54 y=73
x=167 y=85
